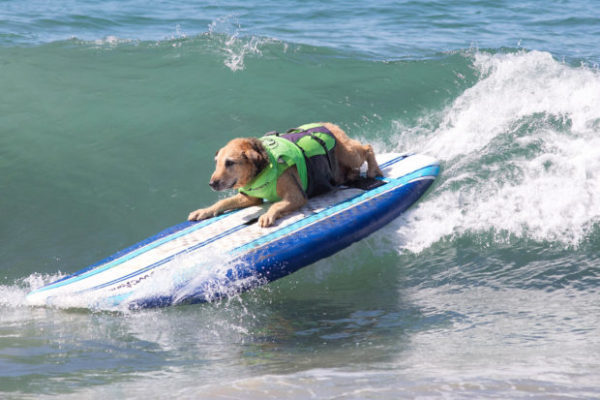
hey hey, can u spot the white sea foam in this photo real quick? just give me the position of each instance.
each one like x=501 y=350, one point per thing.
x=14 y=295
x=112 y=41
x=227 y=30
x=520 y=152
x=237 y=49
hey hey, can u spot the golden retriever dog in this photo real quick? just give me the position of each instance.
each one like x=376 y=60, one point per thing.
x=243 y=159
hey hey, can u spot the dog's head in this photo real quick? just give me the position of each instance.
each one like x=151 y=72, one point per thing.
x=238 y=163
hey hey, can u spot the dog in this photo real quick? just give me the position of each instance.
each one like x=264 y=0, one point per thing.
x=244 y=163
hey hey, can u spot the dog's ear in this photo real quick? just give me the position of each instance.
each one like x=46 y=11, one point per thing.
x=256 y=154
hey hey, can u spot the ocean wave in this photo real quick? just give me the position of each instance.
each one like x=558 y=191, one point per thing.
x=231 y=49
x=520 y=152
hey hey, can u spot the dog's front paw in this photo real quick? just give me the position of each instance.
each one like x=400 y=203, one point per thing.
x=266 y=220
x=200 y=214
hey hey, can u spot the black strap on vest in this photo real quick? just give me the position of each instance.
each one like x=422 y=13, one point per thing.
x=324 y=146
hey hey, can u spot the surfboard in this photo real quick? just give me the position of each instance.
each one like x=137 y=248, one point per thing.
x=207 y=260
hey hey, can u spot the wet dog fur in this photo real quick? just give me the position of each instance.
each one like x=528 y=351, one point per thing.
x=242 y=159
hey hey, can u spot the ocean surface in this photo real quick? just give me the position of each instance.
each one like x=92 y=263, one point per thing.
x=111 y=112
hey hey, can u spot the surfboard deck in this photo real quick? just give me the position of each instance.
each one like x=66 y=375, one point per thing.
x=206 y=260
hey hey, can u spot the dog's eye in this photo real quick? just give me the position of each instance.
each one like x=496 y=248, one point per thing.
x=229 y=163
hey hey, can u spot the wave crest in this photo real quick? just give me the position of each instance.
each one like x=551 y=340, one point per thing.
x=521 y=152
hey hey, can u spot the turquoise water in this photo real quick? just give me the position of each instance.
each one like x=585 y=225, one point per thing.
x=110 y=115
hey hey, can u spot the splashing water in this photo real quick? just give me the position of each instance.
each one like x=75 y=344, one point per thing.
x=522 y=154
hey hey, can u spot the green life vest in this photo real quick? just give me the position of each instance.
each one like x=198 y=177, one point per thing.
x=284 y=151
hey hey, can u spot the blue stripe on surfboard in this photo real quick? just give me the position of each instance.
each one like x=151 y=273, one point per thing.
x=133 y=251
x=429 y=171
x=169 y=258
x=394 y=160
x=419 y=174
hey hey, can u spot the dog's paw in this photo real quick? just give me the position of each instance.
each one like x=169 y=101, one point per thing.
x=266 y=220
x=200 y=214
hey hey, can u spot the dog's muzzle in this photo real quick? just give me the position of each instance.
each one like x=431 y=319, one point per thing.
x=214 y=184
x=218 y=185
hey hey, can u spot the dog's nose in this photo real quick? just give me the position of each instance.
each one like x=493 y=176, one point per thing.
x=214 y=183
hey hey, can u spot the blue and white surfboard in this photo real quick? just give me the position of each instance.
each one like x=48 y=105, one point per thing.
x=206 y=260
